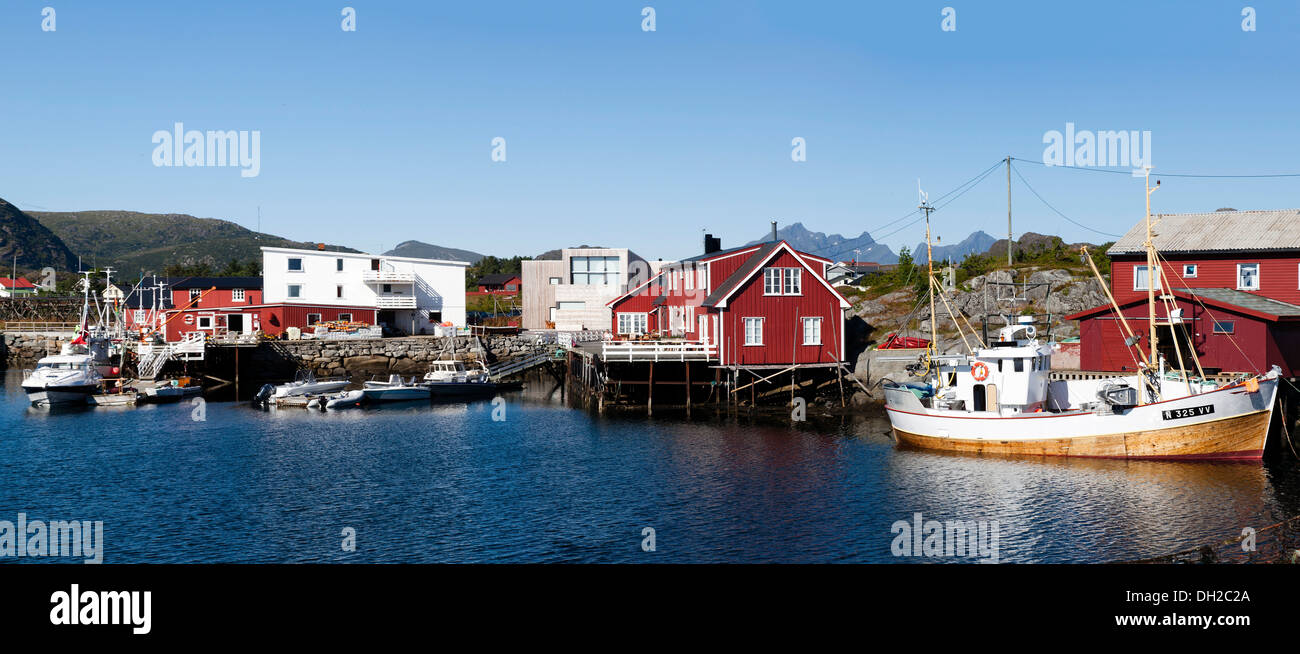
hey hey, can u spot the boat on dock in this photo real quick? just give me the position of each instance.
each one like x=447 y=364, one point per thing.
x=452 y=378
x=395 y=389
x=304 y=384
x=171 y=390
x=999 y=398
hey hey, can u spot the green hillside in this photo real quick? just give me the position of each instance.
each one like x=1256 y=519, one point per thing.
x=29 y=244
x=133 y=242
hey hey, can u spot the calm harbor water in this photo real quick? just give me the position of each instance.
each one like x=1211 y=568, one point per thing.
x=447 y=483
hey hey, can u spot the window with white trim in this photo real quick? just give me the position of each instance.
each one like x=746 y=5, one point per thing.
x=312 y=319
x=703 y=273
x=689 y=277
x=812 y=331
x=753 y=331
x=1142 y=277
x=204 y=322
x=782 y=281
x=236 y=295
x=632 y=323
x=295 y=291
x=345 y=317
x=1189 y=270
x=1248 y=277
x=195 y=293
x=295 y=264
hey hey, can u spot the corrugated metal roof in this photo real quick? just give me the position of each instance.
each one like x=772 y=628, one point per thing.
x=1217 y=231
x=1246 y=300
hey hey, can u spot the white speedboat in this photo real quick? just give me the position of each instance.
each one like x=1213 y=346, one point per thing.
x=62 y=379
x=345 y=400
x=307 y=384
x=395 y=389
x=454 y=378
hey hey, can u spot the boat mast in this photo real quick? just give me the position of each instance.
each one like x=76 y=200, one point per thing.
x=1153 y=276
x=929 y=263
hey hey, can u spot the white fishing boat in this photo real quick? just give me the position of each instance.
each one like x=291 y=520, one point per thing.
x=453 y=377
x=65 y=378
x=999 y=398
x=344 y=400
x=395 y=389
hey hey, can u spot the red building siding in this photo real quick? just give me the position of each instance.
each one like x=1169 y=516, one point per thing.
x=1254 y=345
x=782 y=321
x=1279 y=274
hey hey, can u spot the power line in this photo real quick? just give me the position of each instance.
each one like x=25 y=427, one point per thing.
x=1130 y=172
x=1058 y=212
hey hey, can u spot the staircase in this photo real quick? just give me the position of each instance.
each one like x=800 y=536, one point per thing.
x=537 y=358
x=152 y=358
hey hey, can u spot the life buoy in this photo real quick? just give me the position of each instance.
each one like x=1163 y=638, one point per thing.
x=979 y=371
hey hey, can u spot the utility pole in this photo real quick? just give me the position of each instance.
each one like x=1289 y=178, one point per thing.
x=1008 y=210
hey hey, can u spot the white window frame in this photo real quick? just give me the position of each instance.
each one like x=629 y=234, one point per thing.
x=1258 y=274
x=289 y=264
x=289 y=292
x=1194 y=269
x=1232 y=327
x=703 y=273
x=341 y=317
x=1136 y=268
x=689 y=276
x=772 y=281
x=208 y=318
x=555 y=281
x=237 y=295
x=633 y=324
x=311 y=322
x=816 y=322
x=746 y=322
x=195 y=293
x=794 y=275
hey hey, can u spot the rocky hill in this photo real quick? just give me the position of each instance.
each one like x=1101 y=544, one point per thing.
x=423 y=250
x=32 y=243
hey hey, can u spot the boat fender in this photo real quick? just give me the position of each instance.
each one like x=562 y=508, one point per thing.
x=1252 y=385
x=979 y=371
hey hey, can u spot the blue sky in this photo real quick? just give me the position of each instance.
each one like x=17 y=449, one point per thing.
x=621 y=137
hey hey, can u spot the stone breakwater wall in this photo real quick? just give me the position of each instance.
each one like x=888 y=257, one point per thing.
x=406 y=356
x=17 y=349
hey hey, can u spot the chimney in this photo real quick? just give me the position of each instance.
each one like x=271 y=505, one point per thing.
x=774 y=237
x=711 y=244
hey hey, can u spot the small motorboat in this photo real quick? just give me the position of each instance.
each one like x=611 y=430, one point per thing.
x=394 y=390
x=306 y=384
x=172 y=390
x=453 y=378
x=345 y=400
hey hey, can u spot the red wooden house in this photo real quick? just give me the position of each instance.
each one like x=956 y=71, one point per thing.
x=203 y=304
x=1234 y=277
x=500 y=284
x=762 y=304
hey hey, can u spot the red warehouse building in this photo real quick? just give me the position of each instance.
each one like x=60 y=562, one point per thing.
x=1233 y=278
x=762 y=304
x=500 y=283
x=223 y=306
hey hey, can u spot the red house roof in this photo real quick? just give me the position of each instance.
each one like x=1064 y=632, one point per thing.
x=8 y=282
x=1249 y=304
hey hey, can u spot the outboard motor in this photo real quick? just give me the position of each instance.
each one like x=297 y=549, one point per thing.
x=263 y=394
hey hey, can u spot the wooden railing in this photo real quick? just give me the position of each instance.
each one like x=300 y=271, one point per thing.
x=657 y=351
x=30 y=327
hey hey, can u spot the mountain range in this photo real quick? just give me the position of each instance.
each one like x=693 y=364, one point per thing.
x=27 y=241
x=976 y=243
x=834 y=246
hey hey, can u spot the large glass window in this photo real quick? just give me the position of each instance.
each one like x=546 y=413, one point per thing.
x=1248 y=276
x=295 y=264
x=594 y=270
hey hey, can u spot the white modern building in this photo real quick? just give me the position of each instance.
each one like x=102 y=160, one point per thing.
x=571 y=292
x=405 y=293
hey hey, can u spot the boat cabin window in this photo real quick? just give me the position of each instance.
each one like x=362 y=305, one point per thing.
x=977 y=397
x=1020 y=365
